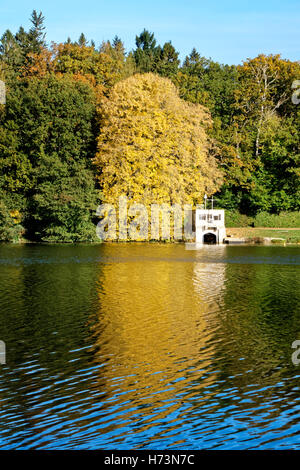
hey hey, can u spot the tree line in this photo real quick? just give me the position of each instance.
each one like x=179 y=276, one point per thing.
x=84 y=124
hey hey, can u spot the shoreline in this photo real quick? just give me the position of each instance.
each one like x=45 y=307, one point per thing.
x=231 y=239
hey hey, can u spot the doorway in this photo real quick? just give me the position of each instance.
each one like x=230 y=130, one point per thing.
x=210 y=239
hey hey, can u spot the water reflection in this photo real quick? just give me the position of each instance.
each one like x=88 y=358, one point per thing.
x=152 y=335
x=149 y=346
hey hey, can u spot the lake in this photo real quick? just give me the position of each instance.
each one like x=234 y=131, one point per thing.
x=149 y=346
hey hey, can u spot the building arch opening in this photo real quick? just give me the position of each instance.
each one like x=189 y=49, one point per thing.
x=209 y=239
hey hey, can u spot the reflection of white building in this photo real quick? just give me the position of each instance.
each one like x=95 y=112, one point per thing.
x=209 y=277
x=210 y=226
x=209 y=282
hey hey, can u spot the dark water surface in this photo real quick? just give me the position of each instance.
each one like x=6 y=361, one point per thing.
x=149 y=347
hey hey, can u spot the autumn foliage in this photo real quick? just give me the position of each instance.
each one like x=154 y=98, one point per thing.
x=85 y=123
x=153 y=146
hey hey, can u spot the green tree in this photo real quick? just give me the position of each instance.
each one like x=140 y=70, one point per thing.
x=150 y=57
x=265 y=135
x=47 y=140
x=11 y=55
x=167 y=61
x=36 y=34
x=82 y=41
x=146 y=53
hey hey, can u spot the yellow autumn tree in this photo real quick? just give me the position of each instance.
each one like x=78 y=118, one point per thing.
x=153 y=146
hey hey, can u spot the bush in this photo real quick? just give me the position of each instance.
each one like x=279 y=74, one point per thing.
x=235 y=219
x=10 y=228
x=294 y=240
x=282 y=220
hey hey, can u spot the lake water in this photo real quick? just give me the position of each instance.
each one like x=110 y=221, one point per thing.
x=149 y=346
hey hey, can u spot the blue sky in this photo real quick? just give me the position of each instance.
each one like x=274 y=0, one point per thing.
x=228 y=31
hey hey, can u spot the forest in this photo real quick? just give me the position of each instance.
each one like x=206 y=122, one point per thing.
x=86 y=123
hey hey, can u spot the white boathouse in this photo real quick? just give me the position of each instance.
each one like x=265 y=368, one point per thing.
x=209 y=225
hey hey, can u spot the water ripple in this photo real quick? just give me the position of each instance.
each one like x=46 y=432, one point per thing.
x=149 y=347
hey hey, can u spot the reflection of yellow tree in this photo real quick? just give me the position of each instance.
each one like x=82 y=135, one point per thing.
x=151 y=331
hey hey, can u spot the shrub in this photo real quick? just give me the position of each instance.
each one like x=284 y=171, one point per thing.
x=284 y=219
x=10 y=228
x=235 y=219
